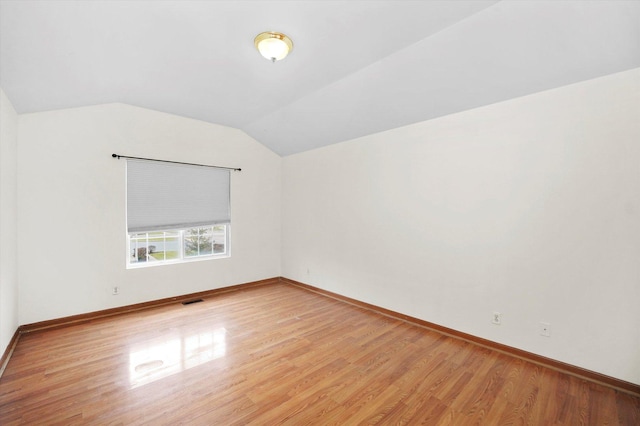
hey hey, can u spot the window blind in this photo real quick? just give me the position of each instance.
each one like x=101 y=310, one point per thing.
x=172 y=196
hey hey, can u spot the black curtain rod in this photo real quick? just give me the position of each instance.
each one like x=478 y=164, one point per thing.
x=175 y=162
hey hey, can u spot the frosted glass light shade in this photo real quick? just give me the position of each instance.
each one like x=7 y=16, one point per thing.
x=273 y=46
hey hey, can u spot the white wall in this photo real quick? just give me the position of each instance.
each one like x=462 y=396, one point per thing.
x=8 y=221
x=529 y=207
x=71 y=210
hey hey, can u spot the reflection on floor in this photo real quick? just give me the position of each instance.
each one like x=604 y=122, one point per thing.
x=154 y=360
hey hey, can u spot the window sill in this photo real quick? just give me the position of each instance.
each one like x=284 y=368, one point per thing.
x=153 y=263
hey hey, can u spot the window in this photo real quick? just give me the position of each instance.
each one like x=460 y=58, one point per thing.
x=179 y=244
x=176 y=213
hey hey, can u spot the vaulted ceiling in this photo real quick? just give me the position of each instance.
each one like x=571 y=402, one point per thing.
x=357 y=67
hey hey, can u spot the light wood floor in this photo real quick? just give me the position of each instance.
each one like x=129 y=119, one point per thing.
x=279 y=354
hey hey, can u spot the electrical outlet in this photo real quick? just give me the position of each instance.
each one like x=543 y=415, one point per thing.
x=115 y=291
x=496 y=318
x=545 y=329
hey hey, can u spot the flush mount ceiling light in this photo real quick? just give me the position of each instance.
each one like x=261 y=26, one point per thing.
x=273 y=46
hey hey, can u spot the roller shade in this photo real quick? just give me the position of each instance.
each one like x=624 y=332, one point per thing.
x=172 y=196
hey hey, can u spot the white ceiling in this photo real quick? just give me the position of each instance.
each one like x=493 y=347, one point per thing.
x=357 y=67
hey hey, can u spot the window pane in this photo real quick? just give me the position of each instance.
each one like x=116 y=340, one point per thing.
x=172 y=245
x=205 y=243
x=155 y=240
x=198 y=241
x=191 y=245
x=219 y=239
x=138 y=248
x=164 y=245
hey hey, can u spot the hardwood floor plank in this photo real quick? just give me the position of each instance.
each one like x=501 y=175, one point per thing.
x=627 y=416
x=278 y=354
x=475 y=402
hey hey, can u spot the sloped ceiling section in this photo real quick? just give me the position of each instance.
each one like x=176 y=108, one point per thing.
x=358 y=67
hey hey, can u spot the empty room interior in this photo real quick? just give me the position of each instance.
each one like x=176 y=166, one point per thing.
x=320 y=212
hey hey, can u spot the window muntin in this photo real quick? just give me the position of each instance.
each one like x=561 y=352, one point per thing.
x=178 y=245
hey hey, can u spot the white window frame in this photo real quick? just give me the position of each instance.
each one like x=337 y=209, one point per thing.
x=182 y=257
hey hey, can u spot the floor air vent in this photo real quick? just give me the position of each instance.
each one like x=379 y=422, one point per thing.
x=189 y=302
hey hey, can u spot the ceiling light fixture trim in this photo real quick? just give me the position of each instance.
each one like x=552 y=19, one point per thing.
x=274 y=46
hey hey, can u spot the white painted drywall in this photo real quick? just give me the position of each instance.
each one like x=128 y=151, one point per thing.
x=529 y=207
x=71 y=211
x=8 y=221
